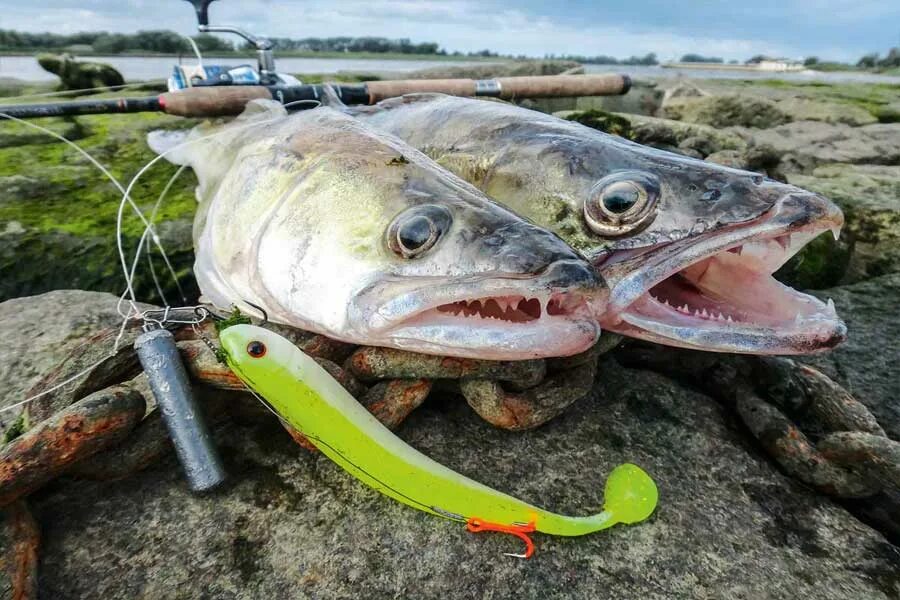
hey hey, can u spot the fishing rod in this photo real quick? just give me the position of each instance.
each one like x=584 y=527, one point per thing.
x=217 y=91
x=220 y=101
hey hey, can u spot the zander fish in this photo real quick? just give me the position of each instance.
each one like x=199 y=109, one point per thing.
x=687 y=247
x=333 y=227
x=311 y=401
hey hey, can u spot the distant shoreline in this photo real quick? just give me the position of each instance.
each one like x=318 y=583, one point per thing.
x=281 y=54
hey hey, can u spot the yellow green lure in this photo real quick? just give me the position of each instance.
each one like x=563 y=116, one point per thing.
x=315 y=404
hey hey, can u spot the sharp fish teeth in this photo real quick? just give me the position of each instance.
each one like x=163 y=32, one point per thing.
x=831 y=308
x=836 y=232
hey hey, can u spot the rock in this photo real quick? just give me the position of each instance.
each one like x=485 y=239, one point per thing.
x=58 y=211
x=290 y=523
x=808 y=144
x=866 y=364
x=870 y=198
x=724 y=111
x=77 y=75
x=683 y=89
x=888 y=113
x=804 y=109
x=822 y=263
x=653 y=130
x=43 y=330
x=604 y=121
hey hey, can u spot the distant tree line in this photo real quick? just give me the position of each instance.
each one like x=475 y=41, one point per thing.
x=874 y=60
x=102 y=42
x=697 y=58
x=356 y=44
x=647 y=59
x=169 y=42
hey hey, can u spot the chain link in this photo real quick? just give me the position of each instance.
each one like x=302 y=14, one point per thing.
x=852 y=456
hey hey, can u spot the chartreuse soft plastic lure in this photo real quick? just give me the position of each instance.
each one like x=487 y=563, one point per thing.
x=314 y=403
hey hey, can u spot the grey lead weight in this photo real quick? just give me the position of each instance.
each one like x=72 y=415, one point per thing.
x=198 y=456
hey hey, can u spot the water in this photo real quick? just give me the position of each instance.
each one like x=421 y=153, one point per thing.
x=159 y=67
x=801 y=76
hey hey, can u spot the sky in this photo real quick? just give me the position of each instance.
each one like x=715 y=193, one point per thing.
x=830 y=29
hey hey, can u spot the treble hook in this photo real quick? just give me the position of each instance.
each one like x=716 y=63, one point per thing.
x=520 y=530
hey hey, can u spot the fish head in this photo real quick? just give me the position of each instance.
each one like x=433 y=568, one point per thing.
x=688 y=248
x=333 y=227
x=460 y=275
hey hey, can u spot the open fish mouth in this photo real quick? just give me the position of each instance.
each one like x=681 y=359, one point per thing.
x=501 y=317
x=718 y=293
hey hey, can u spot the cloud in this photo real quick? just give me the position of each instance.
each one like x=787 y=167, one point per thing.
x=832 y=28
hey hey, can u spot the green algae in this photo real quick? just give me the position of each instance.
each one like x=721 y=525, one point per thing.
x=58 y=212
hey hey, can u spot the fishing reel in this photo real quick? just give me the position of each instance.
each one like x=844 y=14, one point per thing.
x=217 y=75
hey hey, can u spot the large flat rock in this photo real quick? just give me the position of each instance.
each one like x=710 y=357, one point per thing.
x=292 y=524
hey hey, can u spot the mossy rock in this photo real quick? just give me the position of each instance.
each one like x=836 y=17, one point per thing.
x=604 y=121
x=804 y=109
x=725 y=111
x=58 y=212
x=869 y=195
x=822 y=263
x=78 y=75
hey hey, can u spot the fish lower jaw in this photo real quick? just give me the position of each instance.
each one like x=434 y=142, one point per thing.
x=730 y=302
x=437 y=332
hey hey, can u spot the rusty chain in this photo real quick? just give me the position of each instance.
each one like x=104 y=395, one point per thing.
x=838 y=447
x=844 y=452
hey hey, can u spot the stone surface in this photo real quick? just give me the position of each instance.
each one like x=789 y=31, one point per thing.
x=666 y=131
x=79 y=75
x=725 y=111
x=866 y=364
x=805 y=145
x=870 y=198
x=58 y=211
x=292 y=524
x=805 y=109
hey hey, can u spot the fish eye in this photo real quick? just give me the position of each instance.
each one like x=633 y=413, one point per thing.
x=621 y=203
x=256 y=349
x=416 y=230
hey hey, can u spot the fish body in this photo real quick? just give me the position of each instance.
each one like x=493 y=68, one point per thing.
x=312 y=402
x=333 y=227
x=687 y=247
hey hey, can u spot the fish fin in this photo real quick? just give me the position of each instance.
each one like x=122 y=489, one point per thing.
x=166 y=142
x=209 y=148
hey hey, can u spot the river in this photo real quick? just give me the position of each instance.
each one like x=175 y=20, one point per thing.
x=159 y=67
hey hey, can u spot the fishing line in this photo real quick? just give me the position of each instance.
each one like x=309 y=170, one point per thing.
x=142 y=241
x=103 y=170
x=134 y=312
x=196 y=50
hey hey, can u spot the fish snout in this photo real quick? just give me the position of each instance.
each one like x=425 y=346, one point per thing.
x=526 y=249
x=573 y=275
x=810 y=207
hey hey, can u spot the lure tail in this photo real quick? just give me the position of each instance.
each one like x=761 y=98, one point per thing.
x=630 y=497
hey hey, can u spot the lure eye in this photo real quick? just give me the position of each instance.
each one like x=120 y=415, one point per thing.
x=256 y=349
x=416 y=230
x=621 y=203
